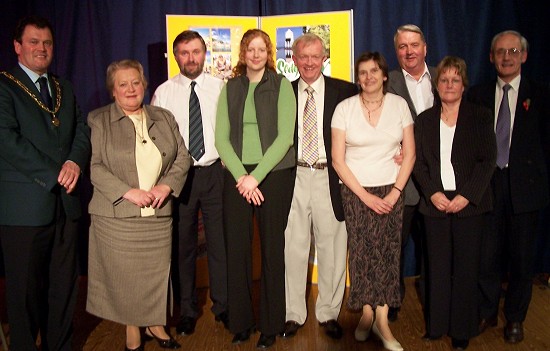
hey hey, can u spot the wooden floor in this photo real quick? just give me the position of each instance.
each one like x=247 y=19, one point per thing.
x=92 y=334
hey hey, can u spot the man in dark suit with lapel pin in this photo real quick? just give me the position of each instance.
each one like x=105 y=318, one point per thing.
x=316 y=202
x=519 y=184
x=413 y=82
x=45 y=145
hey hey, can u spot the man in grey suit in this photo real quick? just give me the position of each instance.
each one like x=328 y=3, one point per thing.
x=316 y=202
x=45 y=146
x=413 y=82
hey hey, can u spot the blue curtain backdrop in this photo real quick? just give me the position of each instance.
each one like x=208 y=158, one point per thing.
x=92 y=33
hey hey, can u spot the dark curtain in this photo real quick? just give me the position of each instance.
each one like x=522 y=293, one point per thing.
x=89 y=34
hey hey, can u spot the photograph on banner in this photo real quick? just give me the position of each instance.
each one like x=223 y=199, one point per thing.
x=218 y=50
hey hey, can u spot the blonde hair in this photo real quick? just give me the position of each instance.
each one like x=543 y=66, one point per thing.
x=123 y=64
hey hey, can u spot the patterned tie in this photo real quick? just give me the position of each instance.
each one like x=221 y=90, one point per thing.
x=310 y=151
x=503 y=129
x=44 y=92
x=196 y=138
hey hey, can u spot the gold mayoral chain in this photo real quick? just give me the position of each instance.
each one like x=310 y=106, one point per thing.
x=55 y=120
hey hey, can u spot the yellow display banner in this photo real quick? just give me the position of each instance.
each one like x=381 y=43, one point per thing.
x=223 y=34
x=336 y=30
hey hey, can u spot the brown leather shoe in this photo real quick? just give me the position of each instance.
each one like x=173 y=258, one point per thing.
x=486 y=323
x=291 y=328
x=513 y=333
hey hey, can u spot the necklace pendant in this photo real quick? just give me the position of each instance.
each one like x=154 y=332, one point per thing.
x=55 y=120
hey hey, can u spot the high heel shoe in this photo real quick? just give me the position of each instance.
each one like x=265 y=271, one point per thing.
x=363 y=334
x=139 y=348
x=392 y=345
x=169 y=343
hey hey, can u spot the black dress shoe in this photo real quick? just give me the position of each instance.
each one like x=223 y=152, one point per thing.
x=265 y=341
x=430 y=337
x=332 y=328
x=224 y=318
x=242 y=336
x=392 y=313
x=291 y=328
x=169 y=343
x=460 y=344
x=486 y=323
x=186 y=325
x=513 y=333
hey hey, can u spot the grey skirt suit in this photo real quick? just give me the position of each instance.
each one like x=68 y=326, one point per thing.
x=129 y=255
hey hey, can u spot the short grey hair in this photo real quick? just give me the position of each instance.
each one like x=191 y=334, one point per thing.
x=522 y=40
x=308 y=38
x=408 y=28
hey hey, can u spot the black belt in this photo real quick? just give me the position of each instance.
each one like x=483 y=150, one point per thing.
x=213 y=163
x=317 y=165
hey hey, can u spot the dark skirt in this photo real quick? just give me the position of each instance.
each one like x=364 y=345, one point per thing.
x=374 y=244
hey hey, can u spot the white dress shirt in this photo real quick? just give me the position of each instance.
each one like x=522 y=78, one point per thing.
x=173 y=95
x=420 y=90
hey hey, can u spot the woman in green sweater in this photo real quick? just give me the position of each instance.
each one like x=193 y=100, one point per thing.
x=254 y=137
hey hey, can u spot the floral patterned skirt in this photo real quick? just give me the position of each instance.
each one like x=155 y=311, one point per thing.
x=374 y=244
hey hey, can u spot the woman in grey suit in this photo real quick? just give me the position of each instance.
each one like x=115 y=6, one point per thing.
x=455 y=159
x=139 y=161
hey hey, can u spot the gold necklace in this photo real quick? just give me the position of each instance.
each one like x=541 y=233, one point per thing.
x=55 y=120
x=381 y=101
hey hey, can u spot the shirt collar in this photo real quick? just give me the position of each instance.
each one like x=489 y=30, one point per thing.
x=32 y=75
x=514 y=82
x=302 y=85
x=187 y=82
x=425 y=73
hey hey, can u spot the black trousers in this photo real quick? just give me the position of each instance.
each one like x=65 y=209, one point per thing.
x=202 y=190
x=453 y=254
x=271 y=217
x=509 y=246
x=41 y=277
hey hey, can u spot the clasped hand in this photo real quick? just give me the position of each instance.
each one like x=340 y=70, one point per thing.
x=247 y=186
x=382 y=206
x=443 y=204
x=154 y=198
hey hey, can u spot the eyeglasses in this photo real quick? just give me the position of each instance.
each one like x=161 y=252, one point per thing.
x=512 y=52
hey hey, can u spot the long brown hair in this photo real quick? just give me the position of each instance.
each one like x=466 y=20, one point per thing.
x=251 y=34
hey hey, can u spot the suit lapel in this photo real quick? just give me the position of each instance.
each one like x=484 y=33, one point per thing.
x=401 y=90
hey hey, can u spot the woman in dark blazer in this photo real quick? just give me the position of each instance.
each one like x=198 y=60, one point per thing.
x=139 y=161
x=455 y=159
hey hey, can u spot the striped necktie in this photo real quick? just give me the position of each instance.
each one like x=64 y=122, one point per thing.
x=310 y=148
x=196 y=138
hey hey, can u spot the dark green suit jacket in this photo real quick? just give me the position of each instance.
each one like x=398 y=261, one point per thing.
x=33 y=150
